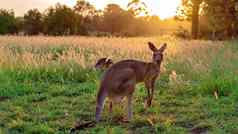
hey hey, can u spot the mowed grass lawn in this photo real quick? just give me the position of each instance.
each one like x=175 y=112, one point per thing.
x=47 y=84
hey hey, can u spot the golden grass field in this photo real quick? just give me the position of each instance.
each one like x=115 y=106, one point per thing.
x=86 y=50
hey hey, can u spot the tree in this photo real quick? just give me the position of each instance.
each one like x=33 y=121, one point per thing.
x=223 y=17
x=137 y=7
x=19 y=24
x=143 y=25
x=112 y=17
x=116 y=20
x=87 y=14
x=84 y=8
x=33 y=24
x=60 y=20
x=191 y=9
x=195 y=18
x=7 y=22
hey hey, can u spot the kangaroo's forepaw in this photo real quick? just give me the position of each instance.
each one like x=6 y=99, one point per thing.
x=125 y=121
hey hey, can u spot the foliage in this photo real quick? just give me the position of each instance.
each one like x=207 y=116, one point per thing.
x=220 y=16
x=60 y=20
x=137 y=7
x=116 y=19
x=85 y=19
x=33 y=22
x=7 y=22
x=84 y=8
x=223 y=17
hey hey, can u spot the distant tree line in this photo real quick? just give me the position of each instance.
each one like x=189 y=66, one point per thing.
x=83 y=19
x=212 y=19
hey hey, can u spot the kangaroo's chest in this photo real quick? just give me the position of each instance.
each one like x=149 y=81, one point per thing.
x=150 y=72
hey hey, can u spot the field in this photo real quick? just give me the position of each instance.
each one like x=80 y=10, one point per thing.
x=48 y=84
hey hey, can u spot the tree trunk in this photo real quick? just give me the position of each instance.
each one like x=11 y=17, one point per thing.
x=195 y=19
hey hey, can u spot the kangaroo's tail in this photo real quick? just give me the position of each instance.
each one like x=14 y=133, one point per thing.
x=100 y=102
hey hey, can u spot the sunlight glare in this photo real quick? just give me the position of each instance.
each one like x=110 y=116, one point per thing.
x=163 y=8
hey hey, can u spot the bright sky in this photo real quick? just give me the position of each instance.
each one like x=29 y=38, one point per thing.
x=163 y=8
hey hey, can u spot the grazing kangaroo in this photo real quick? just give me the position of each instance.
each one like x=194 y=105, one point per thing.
x=121 y=78
x=103 y=63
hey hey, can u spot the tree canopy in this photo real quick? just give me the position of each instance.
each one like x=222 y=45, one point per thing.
x=209 y=19
x=220 y=16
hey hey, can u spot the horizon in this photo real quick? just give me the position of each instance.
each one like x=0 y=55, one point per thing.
x=163 y=9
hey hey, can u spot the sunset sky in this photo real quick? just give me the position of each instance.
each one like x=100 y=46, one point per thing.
x=163 y=8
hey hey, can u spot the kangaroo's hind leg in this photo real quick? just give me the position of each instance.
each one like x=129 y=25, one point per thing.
x=110 y=106
x=129 y=107
x=129 y=88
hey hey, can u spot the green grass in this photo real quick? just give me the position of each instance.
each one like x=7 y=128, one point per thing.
x=51 y=99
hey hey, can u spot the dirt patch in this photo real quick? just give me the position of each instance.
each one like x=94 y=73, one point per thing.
x=192 y=128
x=3 y=98
x=185 y=124
x=199 y=130
x=82 y=125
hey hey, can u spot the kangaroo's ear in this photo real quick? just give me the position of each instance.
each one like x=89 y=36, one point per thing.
x=102 y=60
x=152 y=47
x=163 y=47
x=109 y=61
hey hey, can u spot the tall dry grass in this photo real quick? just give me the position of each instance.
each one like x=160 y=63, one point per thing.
x=41 y=50
x=209 y=64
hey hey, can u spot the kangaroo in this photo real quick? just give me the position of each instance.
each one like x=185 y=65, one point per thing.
x=120 y=79
x=103 y=64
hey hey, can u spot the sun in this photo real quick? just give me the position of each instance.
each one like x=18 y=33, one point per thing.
x=163 y=8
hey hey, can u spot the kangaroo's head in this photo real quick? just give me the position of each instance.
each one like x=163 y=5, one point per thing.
x=157 y=53
x=103 y=63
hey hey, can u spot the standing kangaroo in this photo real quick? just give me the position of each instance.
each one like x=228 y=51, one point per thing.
x=121 y=78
